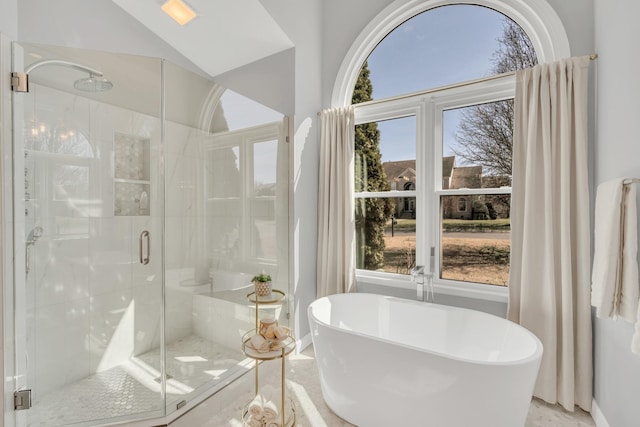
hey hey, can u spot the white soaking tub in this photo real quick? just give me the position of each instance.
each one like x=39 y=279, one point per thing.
x=386 y=361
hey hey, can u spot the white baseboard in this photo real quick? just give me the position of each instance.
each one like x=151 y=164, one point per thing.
x=597 y=415
x=303 y=343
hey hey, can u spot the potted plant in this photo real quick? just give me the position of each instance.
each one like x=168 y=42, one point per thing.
x=262 y=283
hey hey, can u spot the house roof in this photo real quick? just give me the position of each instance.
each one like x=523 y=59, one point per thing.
x=467 y=171
x=396 y=169
x=448 y=163
x=461 y=177
x=466 y=177
x=405 y=168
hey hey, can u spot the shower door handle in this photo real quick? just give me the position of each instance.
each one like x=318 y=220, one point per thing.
x=145 y=239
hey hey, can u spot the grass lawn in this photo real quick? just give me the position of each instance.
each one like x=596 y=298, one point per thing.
x=469 y=259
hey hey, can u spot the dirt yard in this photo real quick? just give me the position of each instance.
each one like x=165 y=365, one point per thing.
x=469 y=259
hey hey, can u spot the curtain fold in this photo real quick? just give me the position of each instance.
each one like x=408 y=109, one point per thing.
x=549 y=282
x=336 y=223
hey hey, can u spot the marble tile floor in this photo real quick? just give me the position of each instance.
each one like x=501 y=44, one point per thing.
x=191 y=362
x=311 y=411
x=134 y=387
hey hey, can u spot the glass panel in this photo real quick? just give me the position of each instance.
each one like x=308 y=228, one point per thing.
x=475 y=241
x=265 y=161
x=263 y=232
x=386 y=155
x=477 y=146
x=442 y=46
x=386 y=234
x=223 y=172
x=89 y=185
x=80 y=289
x=203 y=205
x=237 y=112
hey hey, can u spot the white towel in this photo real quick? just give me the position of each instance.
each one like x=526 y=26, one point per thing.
x=253 y=422
x=255 y=407
x=271 y=410
x=614 y=279
x=272 y=415
x=258 y=343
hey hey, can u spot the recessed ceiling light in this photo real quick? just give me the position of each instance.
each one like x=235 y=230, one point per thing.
x=179 y=11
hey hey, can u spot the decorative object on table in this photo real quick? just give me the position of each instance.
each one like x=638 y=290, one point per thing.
x=268 y=409
x=262 y=283
x=272 y=333
x=267 y=323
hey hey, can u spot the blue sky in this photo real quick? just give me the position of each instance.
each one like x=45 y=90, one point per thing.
x=442 y=46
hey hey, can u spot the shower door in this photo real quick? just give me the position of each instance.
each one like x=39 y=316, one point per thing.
x=88 y=224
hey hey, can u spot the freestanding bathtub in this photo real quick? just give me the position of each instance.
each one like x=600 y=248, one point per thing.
x=386 y=361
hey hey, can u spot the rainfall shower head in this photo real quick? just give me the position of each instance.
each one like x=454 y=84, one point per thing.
x=93 y=84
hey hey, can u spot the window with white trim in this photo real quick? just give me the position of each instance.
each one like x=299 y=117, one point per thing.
x=433 y=167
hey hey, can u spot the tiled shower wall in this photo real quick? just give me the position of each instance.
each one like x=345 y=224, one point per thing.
x=90 y=303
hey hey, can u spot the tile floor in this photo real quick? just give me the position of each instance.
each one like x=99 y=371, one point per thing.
x=311 y=411
x=122 y=390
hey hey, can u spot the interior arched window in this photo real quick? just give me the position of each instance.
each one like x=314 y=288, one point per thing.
x=435 y=96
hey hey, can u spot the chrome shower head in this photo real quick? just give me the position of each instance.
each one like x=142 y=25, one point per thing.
x=93 y=84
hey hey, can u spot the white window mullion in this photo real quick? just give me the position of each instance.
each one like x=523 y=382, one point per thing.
x=425 y=164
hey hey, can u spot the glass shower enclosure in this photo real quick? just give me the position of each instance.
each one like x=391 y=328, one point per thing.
x=145 y=197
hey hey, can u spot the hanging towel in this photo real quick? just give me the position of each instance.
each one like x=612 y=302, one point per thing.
x=614 y=278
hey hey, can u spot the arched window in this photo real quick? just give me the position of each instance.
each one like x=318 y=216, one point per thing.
x=433 y=92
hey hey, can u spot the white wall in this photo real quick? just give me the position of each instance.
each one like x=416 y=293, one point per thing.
x=342 y=23
x=301 y=21
x=9 y=18
x=617 y=153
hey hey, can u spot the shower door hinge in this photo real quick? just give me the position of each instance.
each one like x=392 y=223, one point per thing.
x=22 y=399
x=19 y=82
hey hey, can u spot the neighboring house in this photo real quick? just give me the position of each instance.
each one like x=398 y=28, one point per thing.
x=401 y=176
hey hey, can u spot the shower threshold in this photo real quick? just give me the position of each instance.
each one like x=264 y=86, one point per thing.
x=132 y=390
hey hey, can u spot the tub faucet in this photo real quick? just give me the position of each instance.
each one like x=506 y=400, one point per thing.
x=418 y=276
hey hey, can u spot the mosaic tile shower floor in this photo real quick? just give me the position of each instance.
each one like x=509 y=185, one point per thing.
x=134 y=387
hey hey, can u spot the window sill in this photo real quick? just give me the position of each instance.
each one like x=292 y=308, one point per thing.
x=460 y=289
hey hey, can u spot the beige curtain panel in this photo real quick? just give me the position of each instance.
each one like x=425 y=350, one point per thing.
x=549 y=283
x=336 y=221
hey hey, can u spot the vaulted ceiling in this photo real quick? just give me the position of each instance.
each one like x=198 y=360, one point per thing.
x=225 y=35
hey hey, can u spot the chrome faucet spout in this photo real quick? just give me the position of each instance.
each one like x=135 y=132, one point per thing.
x=417 y=276
x=417 y=272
